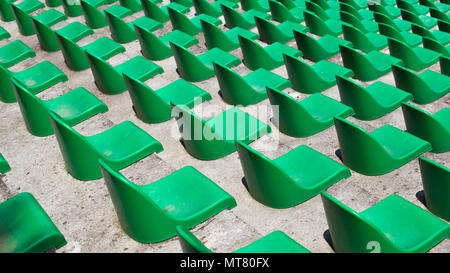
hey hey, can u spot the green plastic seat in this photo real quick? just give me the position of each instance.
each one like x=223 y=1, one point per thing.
x=199 y=68
x=247 y=90
x=119 y=146
x=4 y=34
x=244 y=20
x=364 y=26
x=390 y=11
x=320 y=27
x=123 y=32
x=94 y=17
x=432 y=128
x=295 y=3
x=74 y=55
x=307 y=117
x=436 y=46
x=322 y=13
x=191 y=26
x=269 y=57
x=4 y=166
x=281 y=13
x=215 y=138
x=365 y=42
x=261 y=5
x=426 y=87
x=212 y=9
x=422 y=20
x=357 y=4
x=398 y=24
x=444 y=62
x=367 y=67
x=316 y=50
x=290 y=179
x=314 y=78
x=442 y=7
x=53 y=3
x=393 y=224
x=436 y=186
x=133 y=5
x=413 y=8
x=361 y=14
x=186 y=3
x=439 y=15
x=154 y=106
x=36 y=79
x=411 y=39
x=22 y=13
x=73 y=107
x=6 y=13
x=25 y=227
x=72 y=8
x=325 y=4
x=160 y=14
x=440 y=36
x=46 y=35
x=373 y=101
x=282 y=33
x=444 y=26
x=227 y=41
x=109 y=79
x=274 y=242
x=15 y=52
x=416 y=58
x=381 y=151
x=151 y=213
x=156 y=49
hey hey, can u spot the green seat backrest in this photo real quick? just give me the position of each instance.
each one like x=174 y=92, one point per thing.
x=382 y=18
x=187 y=62
x=139 y=216
x=260 y=173
x=390 y=32
x=103 y=70
x=317 y=10
x=6 y=12
x=254 y=54
x=34 y=111
x=74 y=148
x=214 y=36
x=232 y=86
x=233 y=18
x=358 y=148
x=74 y=55
x=349 y=231
x=94 y=17
x=121 y=31
x=133 y=5
x=358 y=38
x=72 y=8
x=46 y=36
x=6 y=92
x=23 y=21
x=315 y=23
x=152 y=10
x=289 y=107
x=352 y=20
x=148 y=105
x=280 y=13
x=152 y=47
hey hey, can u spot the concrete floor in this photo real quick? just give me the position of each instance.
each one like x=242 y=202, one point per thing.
x=84 y=213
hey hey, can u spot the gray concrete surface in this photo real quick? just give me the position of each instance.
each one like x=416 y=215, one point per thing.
x=84 y=213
